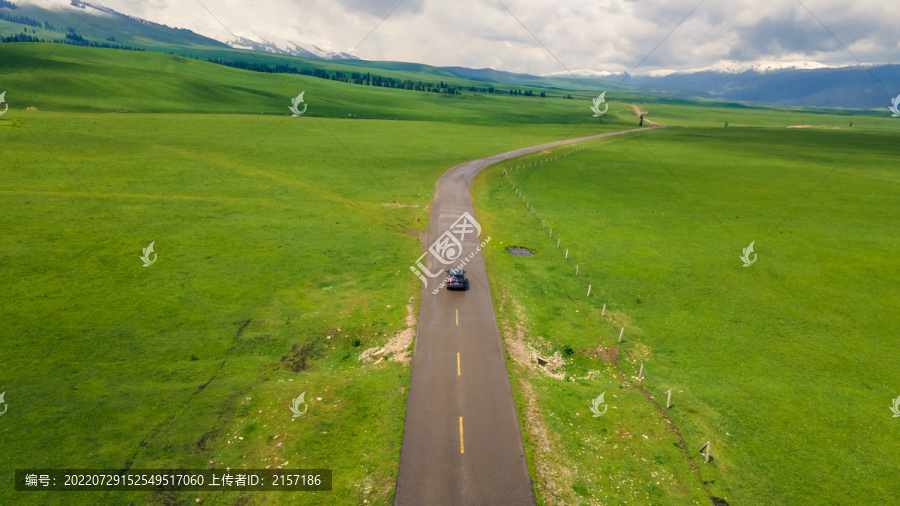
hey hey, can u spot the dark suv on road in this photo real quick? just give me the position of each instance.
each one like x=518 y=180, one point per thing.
x=456 y=280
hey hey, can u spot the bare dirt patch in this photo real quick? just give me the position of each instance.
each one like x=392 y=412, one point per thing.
x=638 y=112
x=262 y=339
x=526 y=356
x=552 y=479
x=397 y=347
x=516 y=347
x=296 y=360
x=206 y=442
x=395 y=204
x=609 y=355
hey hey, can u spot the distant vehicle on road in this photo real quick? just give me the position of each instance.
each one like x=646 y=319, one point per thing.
x=456 y=280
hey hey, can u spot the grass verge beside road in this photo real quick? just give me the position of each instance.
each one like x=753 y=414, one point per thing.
x=785 y=366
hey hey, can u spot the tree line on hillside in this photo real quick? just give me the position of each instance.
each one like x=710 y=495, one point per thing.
x=25 y=20
x=19 y=19
x=369 y=79
x=71 y=38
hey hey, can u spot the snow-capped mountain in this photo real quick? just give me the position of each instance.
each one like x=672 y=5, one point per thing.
x=270 y=44
x=76 y=9
x=722 y=67
x=67 y=6
x=733 y=67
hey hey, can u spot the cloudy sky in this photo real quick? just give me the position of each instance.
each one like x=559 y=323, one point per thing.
x=541 y=37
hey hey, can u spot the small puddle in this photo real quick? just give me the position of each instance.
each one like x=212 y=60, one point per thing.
x=520 y=252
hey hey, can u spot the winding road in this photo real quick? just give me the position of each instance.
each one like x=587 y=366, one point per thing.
x=462 y=442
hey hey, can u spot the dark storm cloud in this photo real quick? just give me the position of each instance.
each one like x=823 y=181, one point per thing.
x=383 y=7
x=777 y=36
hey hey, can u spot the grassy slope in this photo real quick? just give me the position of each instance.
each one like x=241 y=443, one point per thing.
x=787 y=366
x=61 y=77
x=257 y=217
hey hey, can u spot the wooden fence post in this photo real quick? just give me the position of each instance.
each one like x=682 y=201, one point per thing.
x=603 y=312
x=589 y=291
x=620 y=334
x=669 y=400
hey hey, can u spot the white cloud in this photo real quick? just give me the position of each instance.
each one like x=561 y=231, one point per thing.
x=602 y=35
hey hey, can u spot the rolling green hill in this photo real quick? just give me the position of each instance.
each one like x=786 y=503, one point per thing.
x=69 y=78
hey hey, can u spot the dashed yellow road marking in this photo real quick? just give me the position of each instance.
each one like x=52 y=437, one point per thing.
x=457 y=365
x=462 y=449
x=457 y=317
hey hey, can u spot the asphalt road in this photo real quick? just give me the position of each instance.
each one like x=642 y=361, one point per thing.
x=462 y=443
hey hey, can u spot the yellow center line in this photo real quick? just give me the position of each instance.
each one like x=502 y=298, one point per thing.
x=457 y=317
x=462 y=449
x=457 y=365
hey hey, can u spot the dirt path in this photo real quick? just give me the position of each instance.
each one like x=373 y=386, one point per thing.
x=638 y=112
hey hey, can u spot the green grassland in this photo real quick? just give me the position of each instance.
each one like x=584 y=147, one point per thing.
x=59 y=77
x=714 y=114
x=284 y=245
x=281 y=241
x=787 y=366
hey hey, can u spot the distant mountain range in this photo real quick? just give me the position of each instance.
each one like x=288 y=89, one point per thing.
x=809 y=84
x=776 y=83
